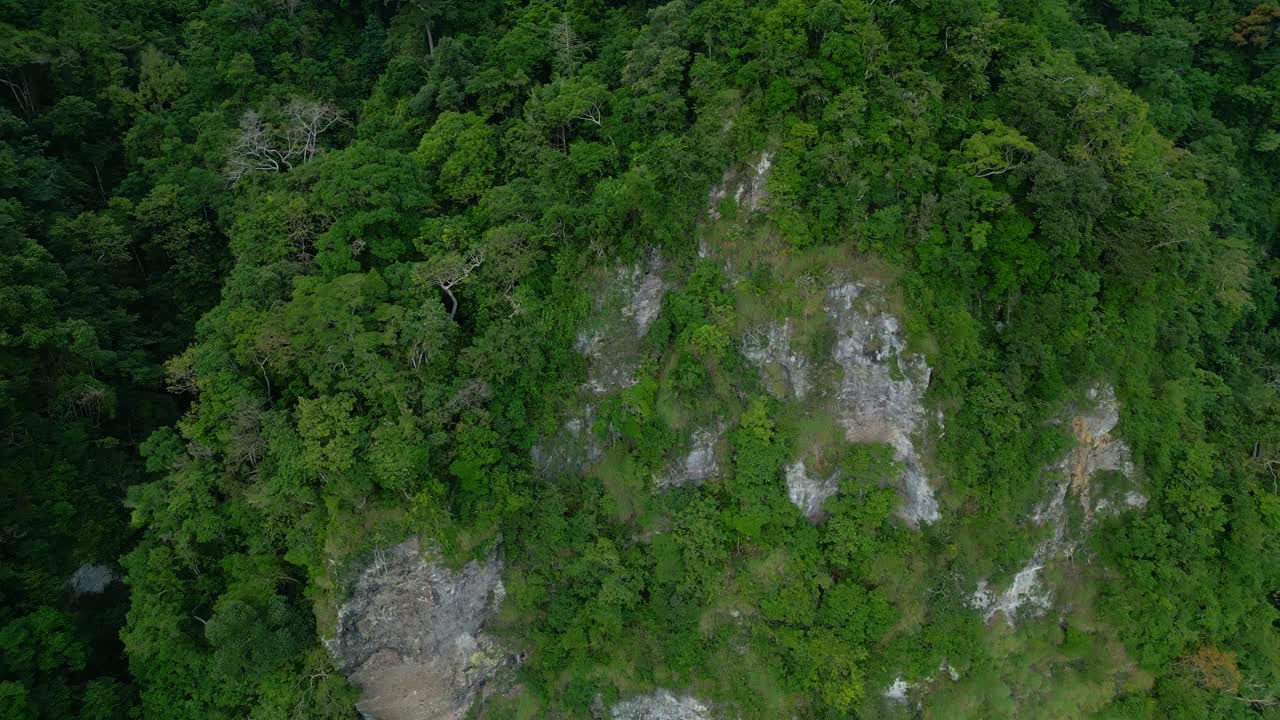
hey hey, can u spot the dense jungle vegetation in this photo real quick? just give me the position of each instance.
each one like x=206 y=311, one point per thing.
x=284 y=280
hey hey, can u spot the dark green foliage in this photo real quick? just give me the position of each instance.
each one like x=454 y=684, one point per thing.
x=270 y=370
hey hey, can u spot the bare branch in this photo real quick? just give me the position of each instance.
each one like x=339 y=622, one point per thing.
x=262 y=147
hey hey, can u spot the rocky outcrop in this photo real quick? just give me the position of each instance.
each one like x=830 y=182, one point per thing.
x=770 y=347
x=700 y=463
x=900 y=691
x=661 y=705
x=1095 y=450
x=876 y=389
x=632 y=294
x=645 y=289
x=897 y=692
x=625 y=302
x=573 y=448
x=411 y=636
x=809 y=492
x=880 y=395
x=747 y=186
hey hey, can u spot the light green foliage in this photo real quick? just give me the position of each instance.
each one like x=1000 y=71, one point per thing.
x=703 y=546
x=331 y=436
x=462 y=149
x=994 y=150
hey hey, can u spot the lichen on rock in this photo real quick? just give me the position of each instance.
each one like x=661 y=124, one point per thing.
x=412 y=635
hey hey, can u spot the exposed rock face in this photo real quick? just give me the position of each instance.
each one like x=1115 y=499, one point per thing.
x=573 y=448
x=771 y=347
x=626 y=302
x=808 y=492
x=661 y=705
x=747 y=186
x=880 y=396
x=411 y=636
x=897 y=692
x=633 y=293
x=1095 y=451
x=877 y=395
x=91 y=579
x=646 y=288
x=700 y=464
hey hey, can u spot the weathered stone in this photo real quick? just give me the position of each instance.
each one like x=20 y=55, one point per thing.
x=661 y=705
x=700 y=464
x=645 y=289
x=747 y=185
x=625 y=302
x=771 y=346
x=880 y=395
x=411 y=636
x=573 y=448
x=808 y=492
x=634 y=293
x=897 y=692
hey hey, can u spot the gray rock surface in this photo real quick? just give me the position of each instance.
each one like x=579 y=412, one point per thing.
x=91 y=579
x=625 y=302
x=632 y=294
x=897 y=692
x=880 y=394
x=877 y=394
x=573 y=448
x=808 y=492
x=411 y=636
x=645 y=290
x=661 y=705
x=747 y=186
x=770 y=346
x=700 y=464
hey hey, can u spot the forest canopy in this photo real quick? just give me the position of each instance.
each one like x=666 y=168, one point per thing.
x=287 y=282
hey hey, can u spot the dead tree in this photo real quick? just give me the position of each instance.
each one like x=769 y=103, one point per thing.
x=290 y=6
x=254 y=150
x=306 y=121
x=568 y=49
x=260 y=146
x=21 y=90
